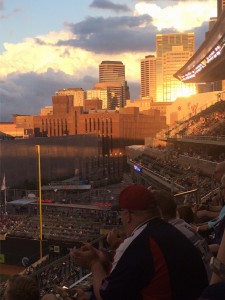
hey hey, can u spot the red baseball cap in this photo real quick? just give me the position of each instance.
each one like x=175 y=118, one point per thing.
x=136 y=197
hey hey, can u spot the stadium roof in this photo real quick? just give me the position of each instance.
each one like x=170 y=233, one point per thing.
x=208 y=63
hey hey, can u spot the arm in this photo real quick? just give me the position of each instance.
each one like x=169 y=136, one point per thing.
x=96 y=261
x=207 y=213
x=202 y=227
x=98 y=274
x=215 y=208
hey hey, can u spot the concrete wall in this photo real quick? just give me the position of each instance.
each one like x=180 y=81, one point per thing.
x=59 y=157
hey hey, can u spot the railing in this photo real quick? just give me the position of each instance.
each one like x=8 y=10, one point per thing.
x=165 y=181
x=194 y=191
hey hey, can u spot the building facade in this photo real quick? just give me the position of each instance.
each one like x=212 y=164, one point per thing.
x=116 y=128
x=77 y=93
x=101 y=94
x=115 y=90
x=114 y=71
x=169 y=55
x=148 y=77
x=171 y=62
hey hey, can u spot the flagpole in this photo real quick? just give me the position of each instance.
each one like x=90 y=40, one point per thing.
x=40 y=196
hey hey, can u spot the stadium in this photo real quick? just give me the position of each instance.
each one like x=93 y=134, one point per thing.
x=37 y=236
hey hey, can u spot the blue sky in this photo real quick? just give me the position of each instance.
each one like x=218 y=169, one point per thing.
x=47 y=45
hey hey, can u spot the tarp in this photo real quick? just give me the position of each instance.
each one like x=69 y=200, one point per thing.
x=23 y=201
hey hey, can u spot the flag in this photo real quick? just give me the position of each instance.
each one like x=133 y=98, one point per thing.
x=3 y=187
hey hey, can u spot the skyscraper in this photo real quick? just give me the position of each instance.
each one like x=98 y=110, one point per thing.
x=148 y=77
x=114 y=71
x=172 y=51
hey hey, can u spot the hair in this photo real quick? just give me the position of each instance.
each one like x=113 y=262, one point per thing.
x=185 y=212
x=49 y=297
x=21 y=287
x=166 y=202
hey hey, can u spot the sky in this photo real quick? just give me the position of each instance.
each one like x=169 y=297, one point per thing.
x=47 y=45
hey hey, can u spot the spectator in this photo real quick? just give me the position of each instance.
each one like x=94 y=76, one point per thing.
x=168 y=208
x=155 y=261
x=212 y=210
x=20 y=287
x=213 y=223
x=216 y=289
x=220 y=227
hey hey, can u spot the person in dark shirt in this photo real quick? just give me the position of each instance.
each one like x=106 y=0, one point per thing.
x=155 y=261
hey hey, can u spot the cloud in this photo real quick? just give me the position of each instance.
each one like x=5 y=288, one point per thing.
x=106 y=4
x=2 y=4
x=27 y=93
x=28 y=83
x=180 y=15
x=70 y=58
x=113 y=35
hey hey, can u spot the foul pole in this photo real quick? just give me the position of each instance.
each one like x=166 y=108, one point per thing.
x=40 y=196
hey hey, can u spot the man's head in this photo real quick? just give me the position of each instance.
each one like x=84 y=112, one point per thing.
x=166 y=203
x=136 y=204
x=219 y=171
x=20 y=287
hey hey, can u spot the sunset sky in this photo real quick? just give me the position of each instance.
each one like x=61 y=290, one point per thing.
x=47 y=45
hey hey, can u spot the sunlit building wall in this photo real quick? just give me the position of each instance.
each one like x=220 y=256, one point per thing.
x=126 y=126
x=146 y=104
x=47 y=110
x=101 y=94
x=164 y=44
x=77 y=93
x=172 y=87
x=113 y=71
x=148 y=77
x=116 y=90
x=93 y=104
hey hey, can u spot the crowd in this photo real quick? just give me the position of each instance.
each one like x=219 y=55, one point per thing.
x=183 y=176
x=79 y=225
x=162 y=253
x=209 y=122
x=166 y=250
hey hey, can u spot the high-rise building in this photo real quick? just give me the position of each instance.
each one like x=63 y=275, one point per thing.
x=220 y=6
x=148 y=77
x=172 y=61
x=116 y=90
x=101 y=94
x=172 y=51
x=77 y=93
x=114 y=71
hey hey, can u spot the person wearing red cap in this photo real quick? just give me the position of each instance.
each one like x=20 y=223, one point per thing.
x=155 y=261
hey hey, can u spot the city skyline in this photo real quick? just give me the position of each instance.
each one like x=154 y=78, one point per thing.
x=44 y=49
